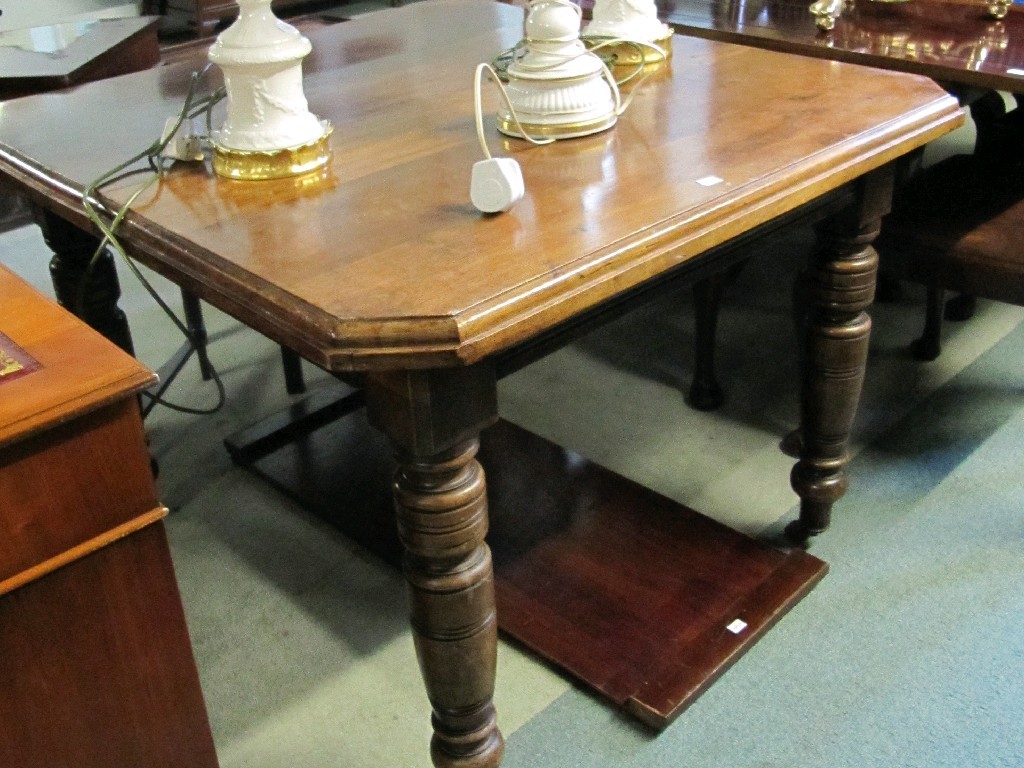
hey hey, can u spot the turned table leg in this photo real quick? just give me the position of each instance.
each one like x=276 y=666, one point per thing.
x=842 y=286
x=434 y=419
x=86 y=289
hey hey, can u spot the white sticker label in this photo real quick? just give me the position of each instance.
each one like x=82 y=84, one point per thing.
x=1015 y=71
x=709 y=181
x=737 y=626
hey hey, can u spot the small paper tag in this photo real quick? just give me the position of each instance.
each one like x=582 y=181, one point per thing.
x=737 y=626
x=709 y=181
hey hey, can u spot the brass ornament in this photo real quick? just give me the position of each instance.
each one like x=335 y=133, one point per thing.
x=259 y=165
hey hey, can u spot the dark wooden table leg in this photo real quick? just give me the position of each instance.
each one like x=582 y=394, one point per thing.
x=842 y=287
x=434 y=419
x=929 y=345
x=705 y=392
x=291 y=362
x=198 y=338
x=95 y=302
x=14 y=211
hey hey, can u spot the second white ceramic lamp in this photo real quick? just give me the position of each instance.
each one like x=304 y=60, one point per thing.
x=635 y=21
x=556 y=87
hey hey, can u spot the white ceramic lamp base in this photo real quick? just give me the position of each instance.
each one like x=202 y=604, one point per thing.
x=269 y=131
x=557 y=88
x=632 y=20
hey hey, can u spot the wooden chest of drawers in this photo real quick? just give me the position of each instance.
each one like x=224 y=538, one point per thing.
x=96 y=666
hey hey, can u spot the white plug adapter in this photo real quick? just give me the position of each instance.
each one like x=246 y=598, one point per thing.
x=497 y=183
x=184 y=144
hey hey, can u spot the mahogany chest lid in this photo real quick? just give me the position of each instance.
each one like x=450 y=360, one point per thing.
x=53 y=367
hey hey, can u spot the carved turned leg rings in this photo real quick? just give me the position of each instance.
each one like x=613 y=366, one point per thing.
x=842 y=288
x=434 y=420
x=85 y=288
x=442 y=520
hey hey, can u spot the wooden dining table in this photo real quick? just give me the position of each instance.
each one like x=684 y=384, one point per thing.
x=381 y=271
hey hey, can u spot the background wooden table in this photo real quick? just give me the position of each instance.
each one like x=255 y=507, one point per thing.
x=76 y=52
x=951 y=42
x=61 y=55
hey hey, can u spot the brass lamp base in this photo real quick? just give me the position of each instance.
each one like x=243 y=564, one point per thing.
x=260 y=165
x=568 y=130
x=634 y=54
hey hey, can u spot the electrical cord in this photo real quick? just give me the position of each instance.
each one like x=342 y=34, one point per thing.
x=154 y=157
x=593 y=44
x=497 y=183
x=500 y=63
x=478 y=108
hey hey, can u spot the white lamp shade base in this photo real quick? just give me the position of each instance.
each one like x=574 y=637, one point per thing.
x=261 y=58
x=635 y=21
x=557 y=88
x=627 y=20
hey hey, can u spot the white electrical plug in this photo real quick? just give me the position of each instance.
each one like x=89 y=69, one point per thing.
x=184 y=145
x=496 y=184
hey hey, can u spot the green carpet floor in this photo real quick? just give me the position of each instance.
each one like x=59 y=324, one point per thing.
x=908 y=653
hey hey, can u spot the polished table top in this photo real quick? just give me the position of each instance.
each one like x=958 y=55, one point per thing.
x=384 y=263
x=953 y=41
